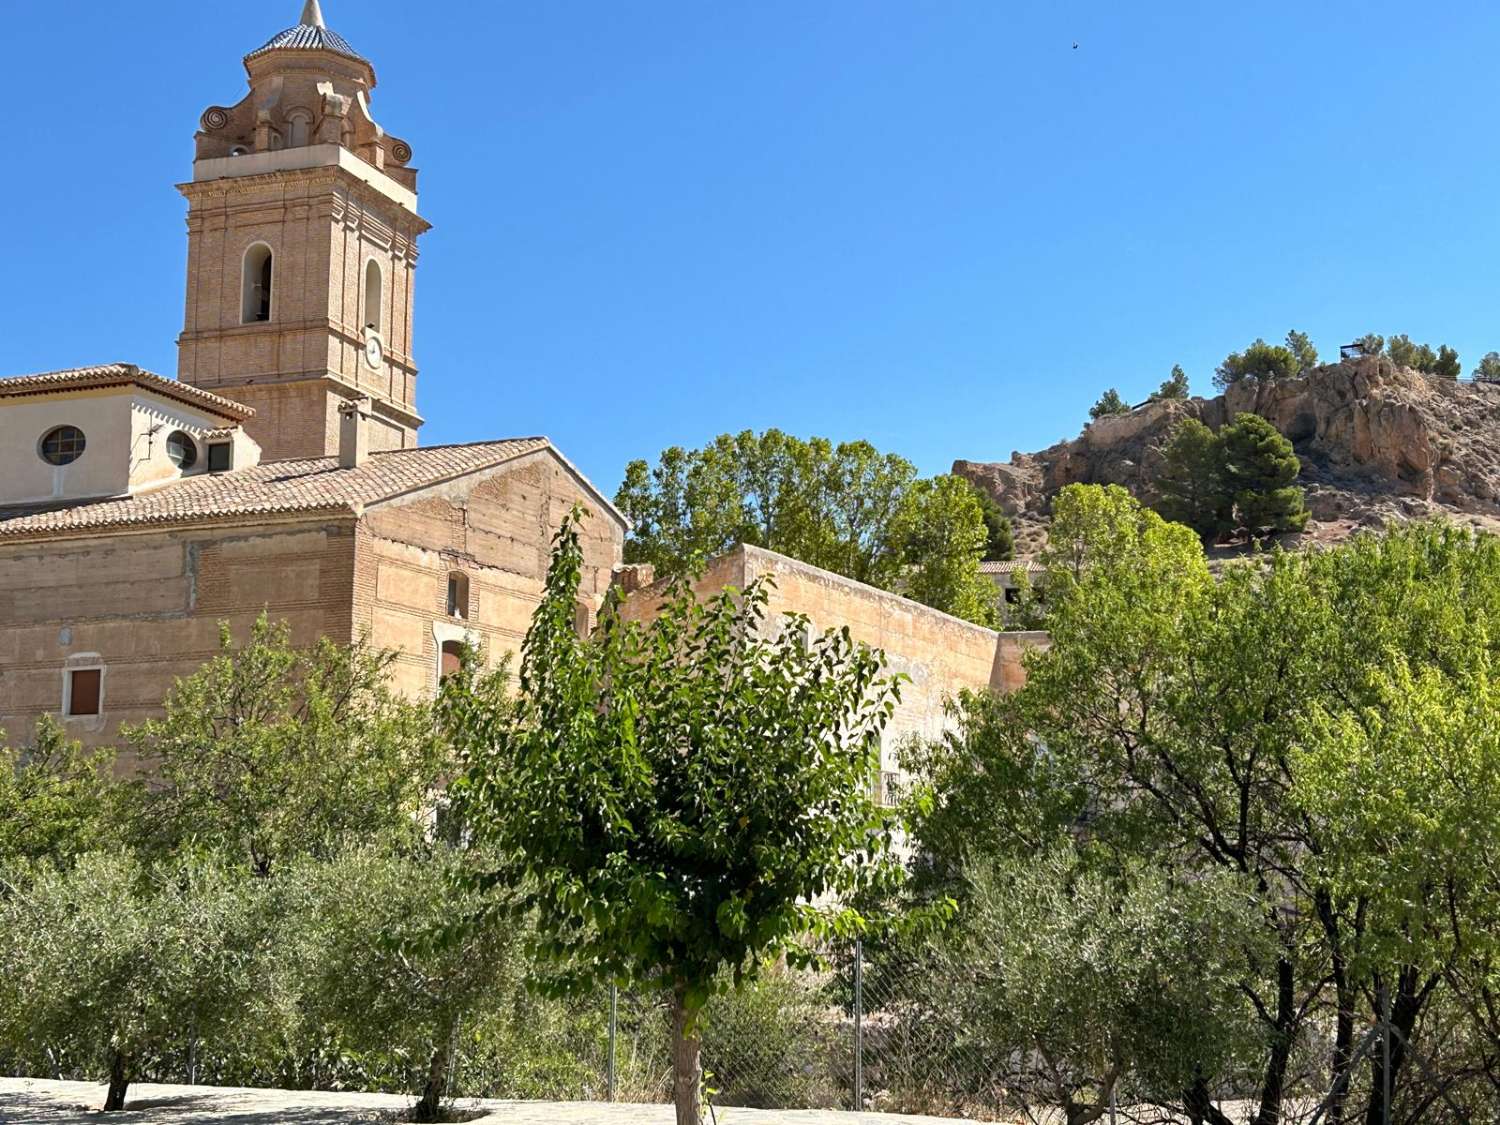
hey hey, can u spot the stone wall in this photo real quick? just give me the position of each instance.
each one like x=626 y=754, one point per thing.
x=146 y=609
x=496 y=529
x=939 y=654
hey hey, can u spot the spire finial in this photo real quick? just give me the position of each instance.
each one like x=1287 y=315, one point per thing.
x=312 y=14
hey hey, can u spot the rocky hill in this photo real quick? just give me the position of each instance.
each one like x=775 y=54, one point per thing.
x=1377 y=443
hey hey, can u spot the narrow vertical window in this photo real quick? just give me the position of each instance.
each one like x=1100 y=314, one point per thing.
x=298 y=128
x=373 y=295
x=458 y=595
x=451 y=659
x=84 y=691
x=255 y=303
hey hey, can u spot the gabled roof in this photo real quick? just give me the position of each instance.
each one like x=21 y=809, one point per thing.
x=273 y=488
x=121 y=375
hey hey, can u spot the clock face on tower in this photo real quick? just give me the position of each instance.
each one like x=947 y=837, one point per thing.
x=374 y=350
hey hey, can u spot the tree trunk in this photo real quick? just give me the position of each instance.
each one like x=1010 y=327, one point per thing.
x=1405 y=1007
x=1200 y=1108
x=1273 y=1087
x=431 y=1103
x=119 y=1079
x=687 y=1062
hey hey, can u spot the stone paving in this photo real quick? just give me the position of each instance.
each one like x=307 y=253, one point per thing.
x=31 y=1101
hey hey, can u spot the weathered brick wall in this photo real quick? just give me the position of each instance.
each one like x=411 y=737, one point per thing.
x=940 y=655
x=150 y=606
x=496 y=528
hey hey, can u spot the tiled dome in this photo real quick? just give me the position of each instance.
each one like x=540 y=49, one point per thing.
x=309 y=35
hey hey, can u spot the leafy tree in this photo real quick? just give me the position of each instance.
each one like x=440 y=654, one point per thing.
x=1488 y=370
x=270 y=750
x=1317 y=726
x=846 y=508
x=1175 y=388
x=682 y=798
x=1000 y=543
x=378 y=953
x=1260 y=470
x=1109 y=403
x=1371 y=344
x=109 y=963
x=1192 y=482
x=56 y=800
x=1051 y=958
x=1259 y=363
x=1443 y=363
x=944 y=528
x=1301 y=346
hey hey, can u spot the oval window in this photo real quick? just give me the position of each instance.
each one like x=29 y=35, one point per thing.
x=181 y=450
x=62 y=446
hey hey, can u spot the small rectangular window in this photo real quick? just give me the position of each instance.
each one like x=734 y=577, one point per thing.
x=83 y=691
x=458 y=595
x=218 y=457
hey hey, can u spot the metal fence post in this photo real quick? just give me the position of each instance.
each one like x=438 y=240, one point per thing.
x=614 y=1016
x=859 y=1025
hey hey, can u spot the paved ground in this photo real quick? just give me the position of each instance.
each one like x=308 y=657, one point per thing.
x=29 y=1101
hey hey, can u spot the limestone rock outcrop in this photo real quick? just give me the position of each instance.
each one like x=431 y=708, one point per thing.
x=1377 y=442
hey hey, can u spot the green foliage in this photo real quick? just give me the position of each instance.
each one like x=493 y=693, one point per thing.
x=1109 y=403
x=1488 y=370
x=109 y=964
x=1264 y=363
x=1316 y=728
x=845 y=508
x=1302 y=348
x=1192 y=483
x=379 y=957
x=270 y=750
x=1259 y=471
x=942 y=522
x=1053 y=960
x=1405 y=352
x=1175 y=387
x=1000 y=543
x=682 y=798
x=56 y=800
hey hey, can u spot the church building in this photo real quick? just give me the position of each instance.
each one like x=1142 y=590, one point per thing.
x=280 y=471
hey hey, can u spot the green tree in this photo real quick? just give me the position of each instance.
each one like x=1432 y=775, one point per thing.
x=1000 y=543
x=1174 y=388
x=270 y=750
x=845 y=508
x=1488 y=370
x=1301 y=346
x=110 y=963
x=377 y=952
x=1443 y=363
x=1051 y=957
x=685 y=797
x=57 y=801
x=1371 y=344
x=1192 y=483
x=1260 y=471
x=1109 y=403
x=1259 y=363
x=944 y=528
x=1316 y=725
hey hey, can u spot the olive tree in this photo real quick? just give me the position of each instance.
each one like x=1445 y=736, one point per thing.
x=680 y=801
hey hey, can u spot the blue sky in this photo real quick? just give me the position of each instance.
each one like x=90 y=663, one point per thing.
x=936 y=225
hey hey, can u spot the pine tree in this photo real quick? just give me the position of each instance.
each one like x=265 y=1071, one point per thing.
x=1192 y=485
x=1109 y=402
x=1175 y=387
x=1260 y=471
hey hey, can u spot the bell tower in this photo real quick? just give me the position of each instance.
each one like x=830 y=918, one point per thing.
x=302 y=250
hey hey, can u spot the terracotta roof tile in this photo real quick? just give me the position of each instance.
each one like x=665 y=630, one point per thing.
x=272 y=488
x=121 y=374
